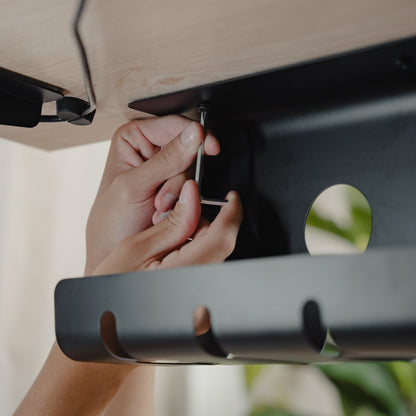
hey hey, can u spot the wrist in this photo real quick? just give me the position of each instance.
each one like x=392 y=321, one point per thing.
x=71 y=387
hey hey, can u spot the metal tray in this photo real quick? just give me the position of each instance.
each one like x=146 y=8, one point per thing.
x=286 y=135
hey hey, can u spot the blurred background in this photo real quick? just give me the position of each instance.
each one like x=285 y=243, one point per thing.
x=44 y=204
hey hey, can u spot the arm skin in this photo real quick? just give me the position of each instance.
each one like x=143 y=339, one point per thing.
x=65 y=387
x=132 y=188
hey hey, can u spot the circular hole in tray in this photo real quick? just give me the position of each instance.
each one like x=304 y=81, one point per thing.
x=339 y=221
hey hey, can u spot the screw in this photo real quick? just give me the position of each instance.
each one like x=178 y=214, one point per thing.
x=404 y=63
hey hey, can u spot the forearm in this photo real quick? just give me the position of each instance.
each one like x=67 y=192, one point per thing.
x=66 y=387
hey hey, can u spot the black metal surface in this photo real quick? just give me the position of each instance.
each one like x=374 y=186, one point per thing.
x=21 y=98
x=280 y=165
x=352 y=76
x=289 y=134
x=257 y=310
x=71 y=109
x=286 y=136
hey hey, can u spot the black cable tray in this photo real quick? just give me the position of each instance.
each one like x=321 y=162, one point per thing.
x=286 y=135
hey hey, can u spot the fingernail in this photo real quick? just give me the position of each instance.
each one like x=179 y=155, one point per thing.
x=183 y=197
x=190 y=136
x=169 y=200
x=231 y=195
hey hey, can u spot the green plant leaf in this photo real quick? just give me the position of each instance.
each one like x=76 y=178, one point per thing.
x=366 y=385
x=252 y=371
x=405 y=374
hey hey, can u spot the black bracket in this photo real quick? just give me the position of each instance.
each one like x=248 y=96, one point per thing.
x=286 y=135
x=22 y=98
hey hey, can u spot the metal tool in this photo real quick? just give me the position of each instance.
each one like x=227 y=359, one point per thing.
x=199 y=163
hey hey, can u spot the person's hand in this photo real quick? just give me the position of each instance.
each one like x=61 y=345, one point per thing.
x=148 y=163
x=167 y=243
x=148 y=160
x=72 y=388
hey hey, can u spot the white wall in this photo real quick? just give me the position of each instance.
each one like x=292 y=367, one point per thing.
x=45 y=199
x=44 y=203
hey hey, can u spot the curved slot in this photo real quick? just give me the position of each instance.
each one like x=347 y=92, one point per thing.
x=317 y=335
x=204 y=334
x=108 y=331
x=312 y=325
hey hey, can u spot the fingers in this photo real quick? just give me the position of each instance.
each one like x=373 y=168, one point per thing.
x=202 y=320
x=178 y=226
x=228 y=221
x=161 y=130
x=150 y=246
x=129 y=148
x=139 y=140
x=213 y=243
x=171 y=160
x=168 y=195
x=211 y=145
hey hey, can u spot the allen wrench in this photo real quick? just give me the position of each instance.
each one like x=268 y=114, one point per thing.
x=199 y=169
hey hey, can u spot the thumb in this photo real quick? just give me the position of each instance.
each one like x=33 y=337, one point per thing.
x=172 y=159
x=148 y=248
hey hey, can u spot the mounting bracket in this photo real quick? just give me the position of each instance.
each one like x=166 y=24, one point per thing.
x=286 y=135
x=22 y=98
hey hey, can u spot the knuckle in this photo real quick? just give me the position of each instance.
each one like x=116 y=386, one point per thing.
x=122 y=186
x=122 y=130
x=173 y=221
x=127 y=132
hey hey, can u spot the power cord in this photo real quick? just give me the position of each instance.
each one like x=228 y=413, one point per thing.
x=72 y=109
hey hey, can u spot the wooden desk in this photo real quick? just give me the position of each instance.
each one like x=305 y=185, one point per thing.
x=139 y=49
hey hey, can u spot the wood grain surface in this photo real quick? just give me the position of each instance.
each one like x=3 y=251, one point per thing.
x=139 y=49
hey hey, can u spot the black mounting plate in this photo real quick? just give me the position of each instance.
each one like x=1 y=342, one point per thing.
x=289 y=134
x=335 y=80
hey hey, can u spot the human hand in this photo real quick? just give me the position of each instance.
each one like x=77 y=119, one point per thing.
x=166 y=244
x=148 y=163
x=143 y=158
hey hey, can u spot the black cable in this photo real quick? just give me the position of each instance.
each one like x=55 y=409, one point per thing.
x=89 y=88
x=84 y=61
